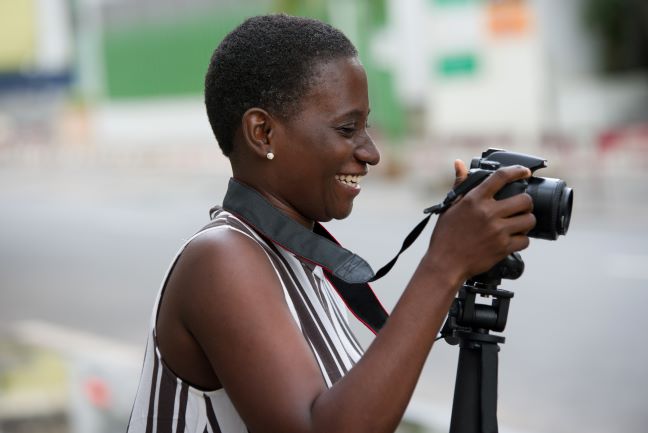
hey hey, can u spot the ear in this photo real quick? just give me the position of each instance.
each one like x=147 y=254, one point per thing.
x=258 y=129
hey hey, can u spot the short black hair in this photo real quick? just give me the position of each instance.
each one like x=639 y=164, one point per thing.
x=267 y=62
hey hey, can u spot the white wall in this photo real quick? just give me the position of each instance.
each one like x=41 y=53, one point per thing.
x=544 y=80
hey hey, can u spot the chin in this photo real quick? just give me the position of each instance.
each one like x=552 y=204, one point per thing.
x=340 y=215
x=335 y=213
x=337 y=216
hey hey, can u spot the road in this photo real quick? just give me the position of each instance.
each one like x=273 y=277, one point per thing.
x=86 y=247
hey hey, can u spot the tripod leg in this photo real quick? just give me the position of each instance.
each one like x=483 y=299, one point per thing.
x=489 y=364
x=474 y=408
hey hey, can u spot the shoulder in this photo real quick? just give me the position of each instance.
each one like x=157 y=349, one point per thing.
x=221 y=270
x=223 y=241
x=222 y=274
x=219 y=256
x=221 y=279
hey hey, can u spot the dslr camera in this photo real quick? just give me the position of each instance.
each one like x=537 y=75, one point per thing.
x=552 y=199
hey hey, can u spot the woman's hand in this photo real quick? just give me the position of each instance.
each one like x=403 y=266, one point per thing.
x=478 y=231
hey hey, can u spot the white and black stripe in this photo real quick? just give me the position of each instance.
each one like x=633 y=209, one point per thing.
x=166 y=404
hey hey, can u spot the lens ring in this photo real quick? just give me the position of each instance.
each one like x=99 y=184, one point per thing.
x=565 y=210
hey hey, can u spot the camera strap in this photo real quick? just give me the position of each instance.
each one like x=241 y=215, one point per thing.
x=416 y=231
x=317 y=245
x=348 y=272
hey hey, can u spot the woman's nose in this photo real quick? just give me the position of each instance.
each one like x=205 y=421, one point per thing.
x=367 y=152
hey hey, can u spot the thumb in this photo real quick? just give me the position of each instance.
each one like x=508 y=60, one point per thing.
x=461 y=172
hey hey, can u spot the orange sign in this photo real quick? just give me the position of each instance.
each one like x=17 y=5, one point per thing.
x=508 y=17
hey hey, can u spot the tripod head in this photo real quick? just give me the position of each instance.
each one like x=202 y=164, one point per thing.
x=467 y=317
x=510 y=268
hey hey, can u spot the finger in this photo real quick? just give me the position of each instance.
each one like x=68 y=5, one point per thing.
x=500 y=178
x=519 y=203
x=518 y=243
x=461 y=172
x=520 y=224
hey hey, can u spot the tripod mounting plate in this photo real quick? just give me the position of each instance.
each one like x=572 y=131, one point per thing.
x=487 y=291
x=475 y=339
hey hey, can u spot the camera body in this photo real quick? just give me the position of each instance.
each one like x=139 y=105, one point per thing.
x=552 y=199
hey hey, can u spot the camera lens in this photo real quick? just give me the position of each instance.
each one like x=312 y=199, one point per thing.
x=552 y=207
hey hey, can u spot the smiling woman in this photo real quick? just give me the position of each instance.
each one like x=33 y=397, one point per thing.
x=249 y=330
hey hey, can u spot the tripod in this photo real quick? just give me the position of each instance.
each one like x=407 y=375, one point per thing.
x=474 y=408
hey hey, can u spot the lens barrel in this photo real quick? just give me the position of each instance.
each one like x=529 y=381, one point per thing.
x=552 y=207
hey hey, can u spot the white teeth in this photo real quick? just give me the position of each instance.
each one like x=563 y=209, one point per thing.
x=348 y=179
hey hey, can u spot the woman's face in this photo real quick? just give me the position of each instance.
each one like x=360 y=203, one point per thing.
x=325 y=149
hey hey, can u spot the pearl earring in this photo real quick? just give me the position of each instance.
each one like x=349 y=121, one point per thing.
x=270 y=155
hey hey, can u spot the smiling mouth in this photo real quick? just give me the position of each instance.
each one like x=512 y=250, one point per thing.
x=352 y=180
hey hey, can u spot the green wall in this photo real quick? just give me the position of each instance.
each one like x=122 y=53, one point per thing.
x=170 y=58
x=164 y=58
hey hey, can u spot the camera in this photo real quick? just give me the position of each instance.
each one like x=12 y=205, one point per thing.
x=552 y=199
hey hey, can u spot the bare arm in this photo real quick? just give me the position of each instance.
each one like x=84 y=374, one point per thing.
x=237 y=313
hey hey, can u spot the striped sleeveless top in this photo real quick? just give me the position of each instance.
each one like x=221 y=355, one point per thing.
x=166 y=404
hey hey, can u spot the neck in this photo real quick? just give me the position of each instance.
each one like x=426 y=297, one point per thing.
x=277 y=202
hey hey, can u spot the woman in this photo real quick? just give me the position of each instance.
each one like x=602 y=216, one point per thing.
x=248 y=333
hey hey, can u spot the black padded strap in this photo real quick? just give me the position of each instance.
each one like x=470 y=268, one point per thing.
x=359 y=297
x=254 y=209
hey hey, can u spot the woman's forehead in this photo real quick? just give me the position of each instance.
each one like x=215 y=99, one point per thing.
x=339 y=85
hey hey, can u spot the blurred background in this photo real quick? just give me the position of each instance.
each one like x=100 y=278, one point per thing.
x=107 y=164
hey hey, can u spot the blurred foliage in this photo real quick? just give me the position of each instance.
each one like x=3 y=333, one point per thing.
x=621 y=27
x=309 y=8
x=375 y=10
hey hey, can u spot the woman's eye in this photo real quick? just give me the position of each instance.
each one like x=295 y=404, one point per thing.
x=346 y=130
x=350 y=129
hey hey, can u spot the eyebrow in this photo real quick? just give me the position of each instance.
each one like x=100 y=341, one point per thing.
x=352 y=113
